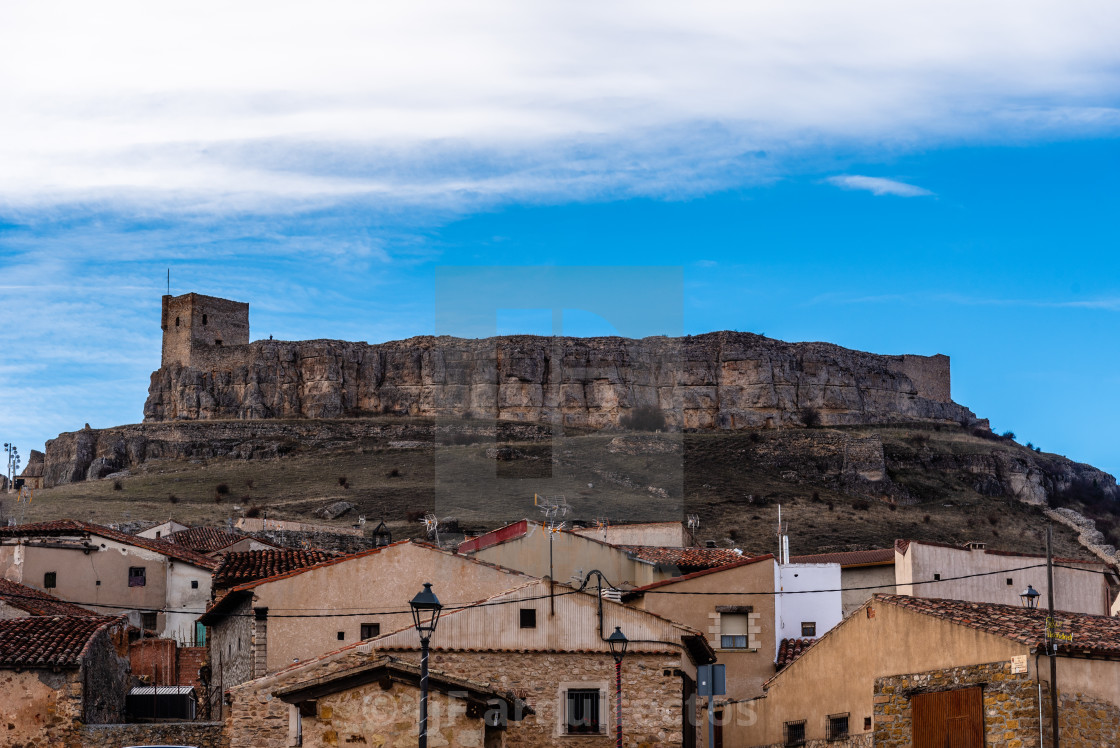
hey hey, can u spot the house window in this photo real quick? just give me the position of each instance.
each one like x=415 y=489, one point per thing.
x=50 y=580
x=837 y=727
x=795 y=733
x=937 y=577
x=808 y=628
x=583 y=711
x=370 y=630
x=158 y=533
x=194 y=584
x=733 y=631
x=137 y=577
x=148 y=621
x=528 y=618
x=342 y=636
x=1010 y=582
x=866 y=724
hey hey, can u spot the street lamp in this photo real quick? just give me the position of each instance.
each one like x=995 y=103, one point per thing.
x=618 y=642
x=425 y=615
x=1030 y=596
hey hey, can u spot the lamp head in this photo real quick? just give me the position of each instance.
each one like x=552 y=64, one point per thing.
x=425 y=611
x=1030 y=596
x=618 y=643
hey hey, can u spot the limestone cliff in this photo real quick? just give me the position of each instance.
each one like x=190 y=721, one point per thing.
x=723 y=380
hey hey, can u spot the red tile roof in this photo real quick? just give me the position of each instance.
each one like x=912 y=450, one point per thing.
x=70 y=527
x=685 y=559
x=204 y=539
x=49 y=641
x=1098 y=635
x=875 y=557
x=241 y=567
x=790 y=649
x=36 y=603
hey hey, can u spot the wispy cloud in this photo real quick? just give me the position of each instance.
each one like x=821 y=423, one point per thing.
x=450 y=104
x=878 y=186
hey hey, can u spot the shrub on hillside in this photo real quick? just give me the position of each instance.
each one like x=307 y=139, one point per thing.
x=811 y=417
x=644 y=418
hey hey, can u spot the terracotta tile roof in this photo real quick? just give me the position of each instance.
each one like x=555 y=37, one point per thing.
x=686 y=559
x=70 y=527
x=241 y=567
x=1099 y=635
x=204 y=539
x=790 y=649
x=36 y=603
x=848 y=558
x=48 y=641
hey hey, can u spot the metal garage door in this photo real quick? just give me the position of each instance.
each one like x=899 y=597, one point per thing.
x=948 y=719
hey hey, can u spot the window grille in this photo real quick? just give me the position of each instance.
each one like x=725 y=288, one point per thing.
x=583 y=711
x=795 y=733
x=370 y=630
x=137 y=576
x=808 y=628
x=837 y=727
x=148 y=621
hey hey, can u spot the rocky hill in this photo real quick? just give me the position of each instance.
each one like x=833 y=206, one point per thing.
x=723 y=380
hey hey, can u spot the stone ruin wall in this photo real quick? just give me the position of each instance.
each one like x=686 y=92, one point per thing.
x=719 y=380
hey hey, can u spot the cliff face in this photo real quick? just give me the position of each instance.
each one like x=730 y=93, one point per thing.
x=720 y=380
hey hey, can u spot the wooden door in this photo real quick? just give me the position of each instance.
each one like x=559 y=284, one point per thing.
x=948 y=719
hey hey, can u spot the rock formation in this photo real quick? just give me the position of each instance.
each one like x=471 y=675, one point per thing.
x=723 y=380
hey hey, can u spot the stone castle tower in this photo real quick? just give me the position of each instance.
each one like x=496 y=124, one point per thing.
x=194 y=324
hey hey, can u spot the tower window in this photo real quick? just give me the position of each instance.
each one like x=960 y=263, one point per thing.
x=217 y=342
x=176 y=321
x=204 y=319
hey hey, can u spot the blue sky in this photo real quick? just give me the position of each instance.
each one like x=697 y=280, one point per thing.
x=934 y=178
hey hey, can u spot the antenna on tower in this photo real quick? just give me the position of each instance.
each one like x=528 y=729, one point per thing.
x=694 y=522
x=783 y=539
x=168 y=281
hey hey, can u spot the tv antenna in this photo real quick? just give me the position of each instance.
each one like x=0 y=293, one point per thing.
x=552 y=509
x=694 y=522
x=431 y=526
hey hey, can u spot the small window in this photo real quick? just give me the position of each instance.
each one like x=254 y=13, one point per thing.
x=1010 y=582
x=137 y=576
x=194 y=584
x=837 y=727
x=217 y=342
x=795 y=733
x=342 y=636
x=808 y=628
x=937 y=577
x=176 y=321
x=158 y=533
x=148 y=621
x=733 y=631
x=583 y=712
x=528 y=618
x=50 y=580
x=371 y=630
x=866 y=724
x=204 y=319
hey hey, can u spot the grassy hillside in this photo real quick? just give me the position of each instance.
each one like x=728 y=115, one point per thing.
x=839 y=489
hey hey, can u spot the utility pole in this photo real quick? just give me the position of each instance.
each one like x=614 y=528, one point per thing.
x=1051 y=641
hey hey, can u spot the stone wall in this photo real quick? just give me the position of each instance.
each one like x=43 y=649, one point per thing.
x=193 y=324
x=201 y=734
x=651 y=696
x=1010 y=704
x=39 y=708
x=1085 y=722
x=723 y=380
x=231 y=651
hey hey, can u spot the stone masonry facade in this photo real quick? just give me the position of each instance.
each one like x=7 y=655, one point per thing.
x=1087 y=722
x=1010 y=704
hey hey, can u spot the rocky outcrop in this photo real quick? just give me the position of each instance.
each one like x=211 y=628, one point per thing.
x=722 y=380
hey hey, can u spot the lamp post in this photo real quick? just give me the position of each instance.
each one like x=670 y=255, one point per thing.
x=425 y=615
x=618 y=642
x=1030 y=596
x=13 y=462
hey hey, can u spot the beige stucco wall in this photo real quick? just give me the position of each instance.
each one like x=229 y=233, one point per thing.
x=838 y=675
x=378 y=585
x=77 y=573
x=665 y=534
x=879 y=577
x=746 y=670
x=1074 y=590
x=571 y=553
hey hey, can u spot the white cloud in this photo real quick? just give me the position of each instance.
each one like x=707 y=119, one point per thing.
x=218 y=106
x=878 y=186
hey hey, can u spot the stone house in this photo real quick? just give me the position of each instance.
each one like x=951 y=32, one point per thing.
x=162 y=586
x=358 y=697
x=262 y=626
x=58 y=673
x=746 y=609
x=162 y=530
x=544 y=644
x=526 y=545
x=907 y=671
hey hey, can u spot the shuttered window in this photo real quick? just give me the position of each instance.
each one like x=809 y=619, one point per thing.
x=733 y=632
